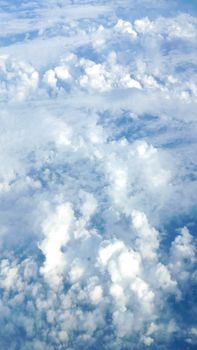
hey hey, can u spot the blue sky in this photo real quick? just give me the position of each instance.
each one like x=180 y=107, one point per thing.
x=98 y=175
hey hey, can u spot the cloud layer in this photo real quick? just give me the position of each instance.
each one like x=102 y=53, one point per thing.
x=97 y=175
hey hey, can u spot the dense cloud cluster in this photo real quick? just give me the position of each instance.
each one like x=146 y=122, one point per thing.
x=98 y=175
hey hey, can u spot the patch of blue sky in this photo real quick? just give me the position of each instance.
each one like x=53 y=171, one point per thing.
x=18 y=38
x=177 y=46
x=189 y=6
x=89 y=53
x=142 y=127
x=21 y=9
x=189 y=67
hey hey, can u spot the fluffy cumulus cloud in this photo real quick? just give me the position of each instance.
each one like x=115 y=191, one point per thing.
x=98 y=175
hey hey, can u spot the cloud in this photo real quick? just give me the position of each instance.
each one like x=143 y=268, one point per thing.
x=183 y=254
x=56 y=232
x=97 y=175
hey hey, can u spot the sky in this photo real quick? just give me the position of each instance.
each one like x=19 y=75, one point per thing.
x=98 y=174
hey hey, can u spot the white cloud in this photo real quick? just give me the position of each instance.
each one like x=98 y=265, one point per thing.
x=147 y=237
x=183 y=255
x=50 y=78
x=18 y=79
x=125 y=27
x=56 y=231
x=98 y=158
